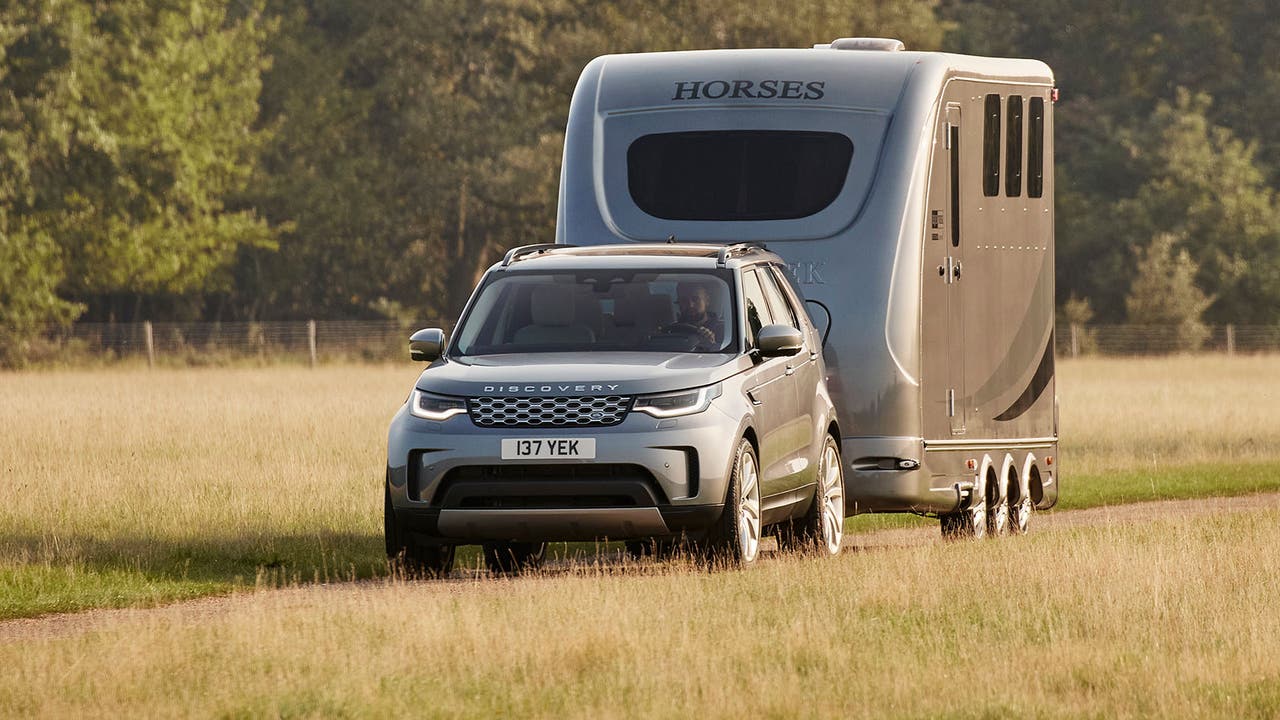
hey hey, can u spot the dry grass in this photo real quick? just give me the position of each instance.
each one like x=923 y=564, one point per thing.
x=169 y=483
x=129 y=487
x=1166 y=619
x=125 y=486
x=1157 y=413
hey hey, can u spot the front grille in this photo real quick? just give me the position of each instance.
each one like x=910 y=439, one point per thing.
x=548 y=486
x=548 y=411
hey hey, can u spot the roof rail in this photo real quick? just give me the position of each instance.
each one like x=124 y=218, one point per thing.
x=518 y=252
x=729 y=251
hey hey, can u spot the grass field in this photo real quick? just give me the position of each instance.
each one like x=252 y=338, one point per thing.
x=127 y=486
x=1165 y=619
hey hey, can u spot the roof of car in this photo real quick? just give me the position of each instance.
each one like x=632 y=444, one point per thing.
x=682 y=255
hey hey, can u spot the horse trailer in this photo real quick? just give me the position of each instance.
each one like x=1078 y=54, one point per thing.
x=911 y=195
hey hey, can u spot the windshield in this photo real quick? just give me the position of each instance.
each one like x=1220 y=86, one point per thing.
x=601 y=310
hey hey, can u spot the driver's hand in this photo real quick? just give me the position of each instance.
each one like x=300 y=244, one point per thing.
x=706 y=337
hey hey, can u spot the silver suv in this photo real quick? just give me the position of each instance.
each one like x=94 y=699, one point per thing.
x=646 y=393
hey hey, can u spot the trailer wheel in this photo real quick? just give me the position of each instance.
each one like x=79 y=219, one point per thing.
x=1020 y=517
x=997 y=507
x=1020 y=505
x=970 y=522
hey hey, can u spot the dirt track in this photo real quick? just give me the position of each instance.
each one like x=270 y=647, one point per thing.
x=67 y=624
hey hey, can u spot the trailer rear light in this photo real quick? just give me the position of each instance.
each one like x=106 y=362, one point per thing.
x=972 y=464
x=1053 y=95
x=1048 y=460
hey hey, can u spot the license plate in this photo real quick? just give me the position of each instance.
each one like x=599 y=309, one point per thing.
x=548 y=448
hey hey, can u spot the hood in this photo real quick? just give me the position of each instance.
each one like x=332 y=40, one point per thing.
x=578 y=374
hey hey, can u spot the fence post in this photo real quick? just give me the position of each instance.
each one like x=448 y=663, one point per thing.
x=1231 y=340
x=151 y=343
x=1075 y=340
x=311 y=340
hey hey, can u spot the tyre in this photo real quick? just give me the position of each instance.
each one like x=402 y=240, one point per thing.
x=510 y=558
x=970 y=522
x=1020 y=509
x=822 y=528
x=639 y=549
x=997 y=510
x=658 y=549
x=411 y=556
x=735 y=538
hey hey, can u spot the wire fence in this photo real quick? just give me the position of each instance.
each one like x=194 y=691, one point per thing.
x=198 y=343
x=1078 y=340
x=327 y=341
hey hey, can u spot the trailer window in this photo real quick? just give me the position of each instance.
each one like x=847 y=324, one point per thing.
x=1035 y=149
x=737 y=174
x=991 y=146
x=1013 y=149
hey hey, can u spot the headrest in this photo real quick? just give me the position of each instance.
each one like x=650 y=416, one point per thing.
x=660 y=310
x=552 y=305
x=629 y=304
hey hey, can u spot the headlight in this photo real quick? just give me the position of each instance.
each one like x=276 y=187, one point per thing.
x=685 y=402
x=435 y=407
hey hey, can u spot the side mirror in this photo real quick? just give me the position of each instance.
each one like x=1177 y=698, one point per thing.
x=426 y=345
x=778 y=340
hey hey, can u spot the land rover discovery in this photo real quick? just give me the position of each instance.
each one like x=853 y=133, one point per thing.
x=645 y=393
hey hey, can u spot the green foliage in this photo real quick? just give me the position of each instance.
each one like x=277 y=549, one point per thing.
x=281 y=159
x=1203 y=184
x=1142 y=150
x=29 y=273
x=417 y=141
x=1164 y=294
x=127 y=130
x=1076 y=313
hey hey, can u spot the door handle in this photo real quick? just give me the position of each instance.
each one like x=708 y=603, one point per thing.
x=955 y=270
x=791 y=370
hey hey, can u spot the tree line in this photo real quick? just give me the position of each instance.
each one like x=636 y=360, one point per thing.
x=283 y=159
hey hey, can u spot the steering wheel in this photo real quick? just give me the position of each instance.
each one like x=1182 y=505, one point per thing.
x=706 y=339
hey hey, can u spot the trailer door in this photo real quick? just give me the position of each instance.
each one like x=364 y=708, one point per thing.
x=953 y=273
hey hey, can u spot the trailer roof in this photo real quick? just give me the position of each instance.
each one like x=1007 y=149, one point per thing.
x=855 y=79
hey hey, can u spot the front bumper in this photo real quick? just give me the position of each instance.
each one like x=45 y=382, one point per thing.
x=650 y=477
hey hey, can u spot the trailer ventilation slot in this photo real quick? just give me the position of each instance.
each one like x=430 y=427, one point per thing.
x=876 y=44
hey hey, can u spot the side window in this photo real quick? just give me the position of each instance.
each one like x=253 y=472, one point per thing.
x=1035 y=149
x=782 y=310
x=755 y=307
x=991 y=146
x=1013 y=149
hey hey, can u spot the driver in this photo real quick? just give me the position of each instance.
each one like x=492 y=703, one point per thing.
x=693 y=301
